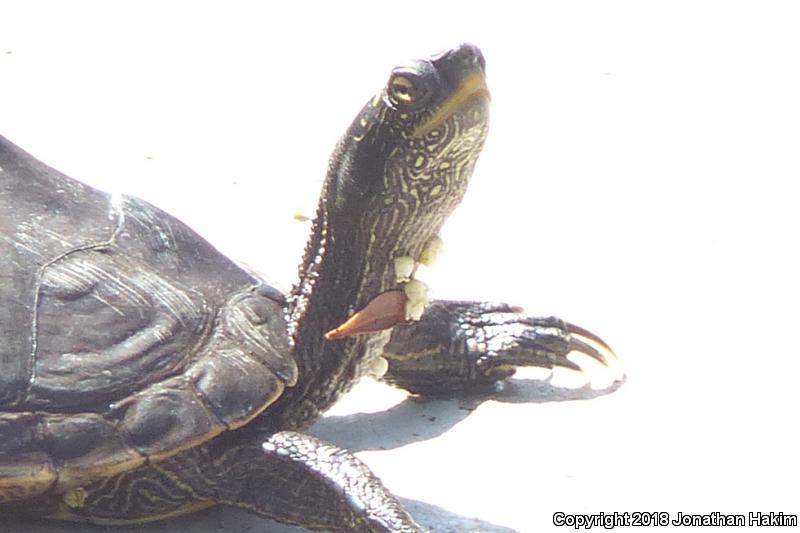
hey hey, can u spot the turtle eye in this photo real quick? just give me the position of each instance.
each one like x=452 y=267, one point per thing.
x=407 y=91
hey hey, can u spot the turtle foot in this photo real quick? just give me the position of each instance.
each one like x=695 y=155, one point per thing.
x=461 y=345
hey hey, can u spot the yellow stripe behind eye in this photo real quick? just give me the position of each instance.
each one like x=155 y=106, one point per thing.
x=472 y=86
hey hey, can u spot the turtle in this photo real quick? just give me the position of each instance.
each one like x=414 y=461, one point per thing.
x=144 y=375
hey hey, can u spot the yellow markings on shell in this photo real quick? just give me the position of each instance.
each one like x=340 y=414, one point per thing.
x=471 y=86
x=75 y=498
x=435 y=190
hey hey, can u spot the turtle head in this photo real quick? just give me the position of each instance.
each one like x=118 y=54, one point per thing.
x=404 y=163
x=446 y=90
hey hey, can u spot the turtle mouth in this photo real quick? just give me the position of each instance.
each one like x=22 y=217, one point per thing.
x=472 y=88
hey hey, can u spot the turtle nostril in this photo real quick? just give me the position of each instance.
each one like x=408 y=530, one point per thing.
x=481 y=60
x=465 y=55
x=471 y=54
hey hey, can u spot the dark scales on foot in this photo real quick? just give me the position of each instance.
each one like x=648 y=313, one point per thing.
x=144 y=375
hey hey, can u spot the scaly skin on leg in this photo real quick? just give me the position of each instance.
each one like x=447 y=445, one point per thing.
x=459 y=345
x=289 y=477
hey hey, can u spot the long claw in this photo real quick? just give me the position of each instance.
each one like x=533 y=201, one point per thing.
x=572 y=349
x=566 y=363
x=586 y=343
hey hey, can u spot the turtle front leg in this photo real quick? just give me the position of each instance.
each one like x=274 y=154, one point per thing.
x=458 y=345
x=329 y=487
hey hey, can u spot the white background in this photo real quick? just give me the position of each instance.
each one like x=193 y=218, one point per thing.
x=640 y=180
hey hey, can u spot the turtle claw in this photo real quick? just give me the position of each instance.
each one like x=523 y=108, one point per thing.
x=594 y=358
x=577 y=330
x=596 y=348
x=575 y=356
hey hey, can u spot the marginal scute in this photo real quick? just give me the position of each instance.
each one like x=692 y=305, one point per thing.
x=26 y=476
x=25 y=470
x=254 y=324
x=257 y=311
x=19 y=431
x=235 y=387
x=85 y=447
x=166 y=419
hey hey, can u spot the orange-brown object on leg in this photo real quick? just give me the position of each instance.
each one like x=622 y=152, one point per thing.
x=382 y=312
